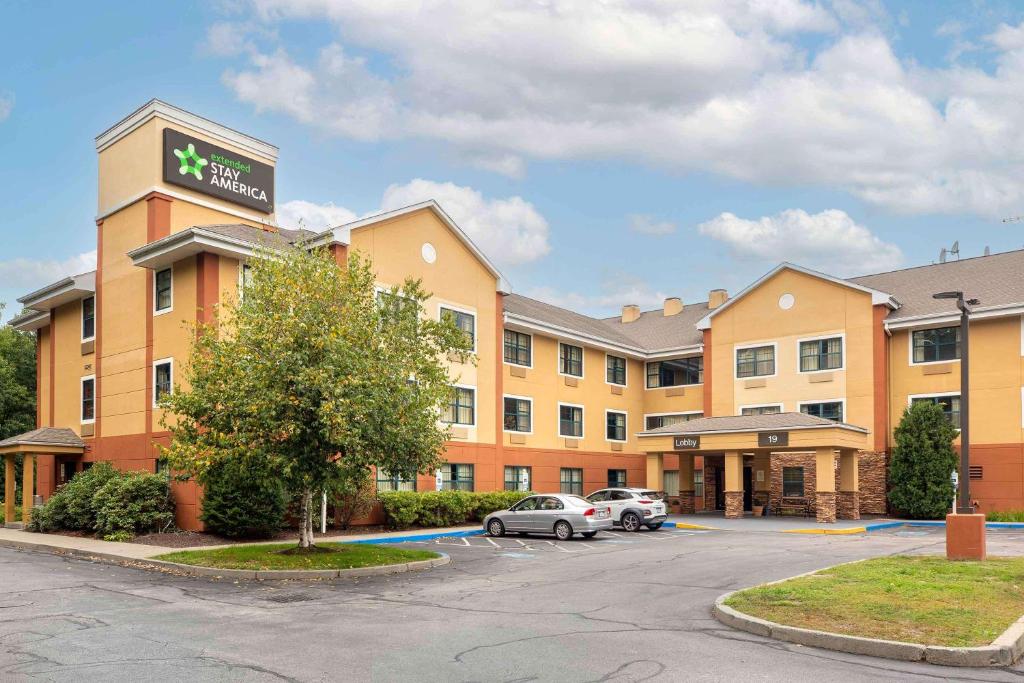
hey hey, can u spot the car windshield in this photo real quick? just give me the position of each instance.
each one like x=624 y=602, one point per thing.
x=577 y=500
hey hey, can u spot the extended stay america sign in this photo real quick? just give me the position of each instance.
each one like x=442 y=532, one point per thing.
x=207 y=168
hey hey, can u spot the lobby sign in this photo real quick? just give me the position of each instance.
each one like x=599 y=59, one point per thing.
x=770 y=439
x=218 y=172
x=685 y=443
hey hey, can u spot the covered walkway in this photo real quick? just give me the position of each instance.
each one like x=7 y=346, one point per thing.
x=45 y=441
x=746 y=443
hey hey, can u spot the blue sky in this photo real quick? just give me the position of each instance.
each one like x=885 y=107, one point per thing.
x=602 y=154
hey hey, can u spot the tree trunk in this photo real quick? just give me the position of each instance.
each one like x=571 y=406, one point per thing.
x=306 y=520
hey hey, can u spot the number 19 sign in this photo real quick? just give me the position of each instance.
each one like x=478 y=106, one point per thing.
x=773 y=438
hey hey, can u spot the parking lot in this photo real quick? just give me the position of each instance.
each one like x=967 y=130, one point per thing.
x=525 y=546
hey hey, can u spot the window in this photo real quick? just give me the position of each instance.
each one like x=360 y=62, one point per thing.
x=617 y=479
x=615 y=426
x=162 y=385
x=830 y=410
x=393 y=482
x=572 y=480
x=517 y=478
x=758 y=361
x=518 y=414
x=570 y=421
x=88 y=399
x=698 y=483
x=462 y=407
x=656 y=421
x=464 y=321
x=675 y=373
x=670 y=482
x=821 y=354
x=456 y=477
x=940 y=344
x=761 y=410
x=950 y=406
x=88 y=318
x=161 y=465
x=517 y=348
x=162 y=295
x=793 y=482
x=244 y=279
x=570 y=360
x=615 y=370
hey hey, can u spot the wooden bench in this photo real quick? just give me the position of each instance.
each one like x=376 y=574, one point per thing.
x=793 y=505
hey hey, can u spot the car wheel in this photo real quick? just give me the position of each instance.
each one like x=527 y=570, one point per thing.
x=589 y=534
x=631 y=521
x=654 y=527
x=563 y=531
x=495 y=528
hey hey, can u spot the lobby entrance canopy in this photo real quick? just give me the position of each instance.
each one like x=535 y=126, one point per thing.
x=43 y=441
x=760 y=435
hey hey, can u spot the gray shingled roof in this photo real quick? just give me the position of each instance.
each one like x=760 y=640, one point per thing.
x=281 y=237
x=46 y=436
x=741 y=423
x=996 y=280
x=653 y=331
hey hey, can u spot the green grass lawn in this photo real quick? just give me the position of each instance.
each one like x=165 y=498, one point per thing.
x=328 y=556
x=916 y=599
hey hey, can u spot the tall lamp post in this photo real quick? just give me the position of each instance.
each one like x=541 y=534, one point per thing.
x=965 y=507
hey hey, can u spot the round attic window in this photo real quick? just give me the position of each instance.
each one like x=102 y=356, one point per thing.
x=786 y=301
x=428 y=252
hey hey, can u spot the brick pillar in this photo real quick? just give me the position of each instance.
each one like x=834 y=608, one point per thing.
x=848 y=505
x=733 y=504
x=825 y=483
x=733 y=485
x=848 y=502
x=826 y=507
x=687 y=503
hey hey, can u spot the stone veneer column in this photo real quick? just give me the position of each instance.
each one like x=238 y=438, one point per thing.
x=687 y=503
x=825 y=483
x=733 y=485
x=848 y=500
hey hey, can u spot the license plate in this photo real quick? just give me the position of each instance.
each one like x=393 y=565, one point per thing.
x=602 y=514
x=659 y=509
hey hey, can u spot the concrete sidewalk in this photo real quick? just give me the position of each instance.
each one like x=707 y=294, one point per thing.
x=774 y=523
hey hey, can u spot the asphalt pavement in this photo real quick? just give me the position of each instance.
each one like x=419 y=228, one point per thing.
x=620 y=607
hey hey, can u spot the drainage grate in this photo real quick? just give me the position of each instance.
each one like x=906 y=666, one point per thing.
x=291 y=597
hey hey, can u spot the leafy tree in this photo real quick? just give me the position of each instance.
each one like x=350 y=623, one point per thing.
x=316 y=374
x=17 y=381
x=922 y=462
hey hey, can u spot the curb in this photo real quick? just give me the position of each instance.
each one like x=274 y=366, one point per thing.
x=685 y=525
x=1004 y=650
x=216 y=573
x=830 y=532
x=417 y=537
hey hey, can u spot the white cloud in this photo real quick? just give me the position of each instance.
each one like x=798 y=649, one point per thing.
x=6 y=105
x=724 y=86
x=649 y=225
x=29 y=274
x=829 y=241
x=300 y=213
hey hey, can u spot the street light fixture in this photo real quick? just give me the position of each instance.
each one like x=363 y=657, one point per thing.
x=965 y=507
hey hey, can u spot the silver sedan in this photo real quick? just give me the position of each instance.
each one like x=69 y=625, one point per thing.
x=560 y=514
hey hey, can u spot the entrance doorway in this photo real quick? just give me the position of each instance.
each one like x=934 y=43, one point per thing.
x=719 y=488
x=748 y=489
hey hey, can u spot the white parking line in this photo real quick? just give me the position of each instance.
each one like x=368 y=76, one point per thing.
x=491 y=541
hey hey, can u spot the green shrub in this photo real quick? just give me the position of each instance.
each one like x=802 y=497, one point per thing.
x=353 y=495
x=922 y=462
x=401 y=508
x=72 y=508
x=240 y=500
x=1005 y=516
x=444 y=508
x=134 y=502
x=119 y=537
x=491 y=501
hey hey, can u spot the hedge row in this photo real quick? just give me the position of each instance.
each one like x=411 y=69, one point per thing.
x=403 y=509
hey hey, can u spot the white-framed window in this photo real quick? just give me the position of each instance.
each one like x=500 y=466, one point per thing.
x=88 y=399
x=518 y=348
x=832 y=409
x=518 y=414
x=88 y=318
x=615 y=370
x=244 y=278
x=675 y=372
x=821 y=354
x=756 y=360
x=657 y=420
x=949 y=402
x=570 y=360
x=464 y=320
x=163 y=291
x=570 y=420
x=935 y=345
x=615 y=426
x=163 y=379
x=761 y=409
x=461 y=408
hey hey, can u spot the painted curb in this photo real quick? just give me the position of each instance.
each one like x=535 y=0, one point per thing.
x=929 y=523
x=417 y=537
x=216 y=573
x=1003 y=651
x=685 y=525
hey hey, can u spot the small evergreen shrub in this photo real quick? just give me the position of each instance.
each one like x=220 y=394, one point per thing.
x=922 y=463
x=492 y=501
x=240 y=502
x=72 y=507
x=444 y=508
x=404 y=509
x=401 y=508
x=133 y=503
x=1005 y=516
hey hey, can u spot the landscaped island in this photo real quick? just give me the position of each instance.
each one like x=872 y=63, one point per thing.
x=274 y=556
x=926 y=600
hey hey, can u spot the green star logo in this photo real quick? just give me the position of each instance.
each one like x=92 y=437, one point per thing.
x=190 y=161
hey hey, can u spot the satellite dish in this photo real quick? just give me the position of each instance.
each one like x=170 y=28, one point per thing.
x=942 y=255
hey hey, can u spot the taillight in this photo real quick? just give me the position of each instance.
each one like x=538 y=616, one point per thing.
x=644 y=501
x=589 y=512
